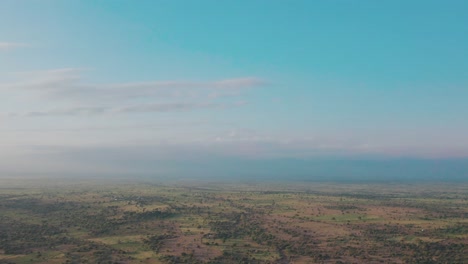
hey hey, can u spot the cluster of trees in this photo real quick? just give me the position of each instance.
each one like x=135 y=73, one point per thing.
x=437 y=252
x=147 y=215
x=156 y=242
x=21 y=238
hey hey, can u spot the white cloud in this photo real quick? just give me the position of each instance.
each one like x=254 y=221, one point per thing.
x=141 y=108
x=68 y=84
x=59 y=86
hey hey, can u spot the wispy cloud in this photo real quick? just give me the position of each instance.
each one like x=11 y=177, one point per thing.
x=67 y=85
x=166 y=107
x=104 y=127
x=4 y=46
x=141 y=108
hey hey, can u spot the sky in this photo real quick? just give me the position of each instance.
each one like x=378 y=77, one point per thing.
x=251 y=87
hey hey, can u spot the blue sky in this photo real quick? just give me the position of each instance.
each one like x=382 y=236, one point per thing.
x=205 y=82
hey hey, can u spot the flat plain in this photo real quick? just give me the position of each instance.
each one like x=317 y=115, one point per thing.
x=99 y=221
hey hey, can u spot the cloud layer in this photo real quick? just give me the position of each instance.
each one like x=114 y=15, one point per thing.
x=57 y=87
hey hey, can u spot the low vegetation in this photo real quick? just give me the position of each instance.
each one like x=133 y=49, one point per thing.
x=92 y=222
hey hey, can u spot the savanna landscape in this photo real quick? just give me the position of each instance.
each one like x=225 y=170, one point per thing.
x=59 y=221
x=233 y=132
